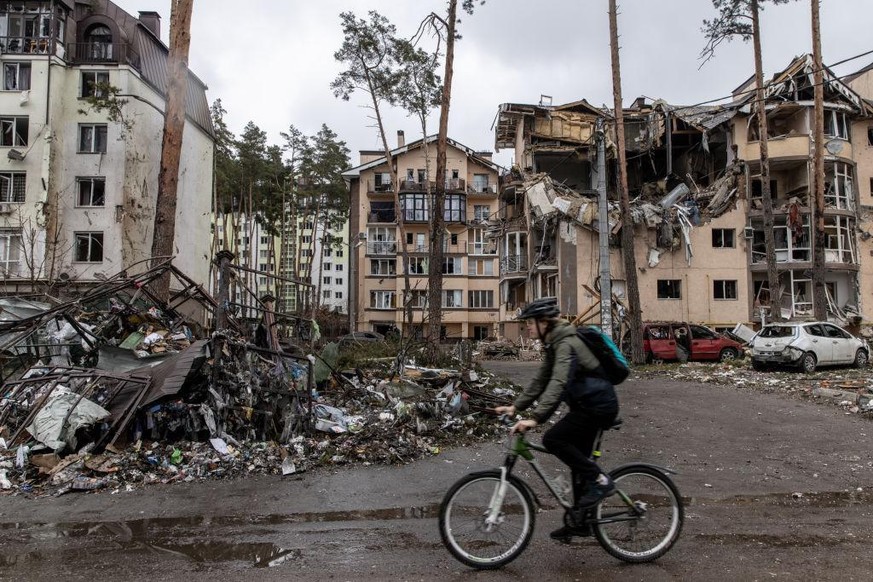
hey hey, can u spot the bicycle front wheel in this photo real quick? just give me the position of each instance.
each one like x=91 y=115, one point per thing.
x=476 y=531
x=642 y=521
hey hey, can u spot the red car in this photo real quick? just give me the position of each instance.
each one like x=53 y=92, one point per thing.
x=666 y=340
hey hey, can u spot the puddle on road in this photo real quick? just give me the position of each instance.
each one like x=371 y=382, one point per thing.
x=159 y=535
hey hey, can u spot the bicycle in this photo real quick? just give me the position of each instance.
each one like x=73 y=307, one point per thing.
x=487 y=518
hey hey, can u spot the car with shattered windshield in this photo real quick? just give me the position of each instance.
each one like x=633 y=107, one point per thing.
x=807 y=346
x=679 y=340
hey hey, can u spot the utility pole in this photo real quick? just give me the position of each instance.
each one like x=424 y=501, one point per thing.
x=603 y=233
x=819 y=295
x=171 y=146
x=627 y=224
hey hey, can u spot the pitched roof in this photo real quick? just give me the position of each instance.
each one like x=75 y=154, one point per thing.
x=354 y=172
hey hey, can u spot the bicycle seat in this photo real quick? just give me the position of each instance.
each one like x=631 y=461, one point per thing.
x=616 y=424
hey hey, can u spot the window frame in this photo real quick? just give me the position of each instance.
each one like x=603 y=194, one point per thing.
x=92 y=180
x=94 y=139
x=89 y=88
x=19 y=125
x=19 y=67
x=725 y=288
x=11 y=190
x=92 y=237
x=481 y=299
x=669 y=289
x=718 y=238
x=11 y=243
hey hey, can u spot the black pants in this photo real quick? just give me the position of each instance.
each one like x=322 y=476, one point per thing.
x=572 y=440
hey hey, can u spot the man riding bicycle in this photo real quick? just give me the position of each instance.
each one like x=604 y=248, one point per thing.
x=569 y=373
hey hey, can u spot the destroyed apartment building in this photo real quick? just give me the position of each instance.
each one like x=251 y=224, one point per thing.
x=695 y=190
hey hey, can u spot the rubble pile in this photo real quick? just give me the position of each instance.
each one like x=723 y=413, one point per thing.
x=365 y=421
x=848 y=388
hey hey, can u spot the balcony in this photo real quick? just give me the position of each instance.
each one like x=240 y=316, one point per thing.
x=102 y=52
x=456 y=185
x=482 y=248
x=385 y=248
x=513 y=265
x=381 y=215
x=379 y=187
x=482 y=188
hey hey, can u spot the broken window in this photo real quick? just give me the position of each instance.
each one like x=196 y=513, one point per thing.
x=452 y=266
x=92 y=138
x=669 y=289
x=839 y=240
x=381 y=212
x=383 y=182
x=92 y=192
x=724 y=289
x=758 y=191
x=839 y=186
x=452 y=298
x=383 y=267
x=417 y=266
x=10 y=251
x=13 y=131
x=870 y=136
x=12 y=186
x=480 y=183
x=381 y=241
x=481 y=212
x=416 y=241
x=836 y=125
x=89 y=247
x=418 y=298
x=16 y=76
x=723 y=238
x=382 y=299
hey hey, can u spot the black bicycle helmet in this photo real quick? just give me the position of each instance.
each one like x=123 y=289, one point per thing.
x=542 y=308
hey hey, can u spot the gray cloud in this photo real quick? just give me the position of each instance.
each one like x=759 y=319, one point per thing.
x=271 y=62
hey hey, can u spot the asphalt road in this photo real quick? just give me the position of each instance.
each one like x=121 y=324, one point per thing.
x=776 y=488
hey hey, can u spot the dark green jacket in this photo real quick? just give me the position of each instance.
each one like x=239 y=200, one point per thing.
x=562 y=375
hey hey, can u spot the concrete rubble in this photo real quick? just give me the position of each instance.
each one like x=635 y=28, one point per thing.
x=124 y=390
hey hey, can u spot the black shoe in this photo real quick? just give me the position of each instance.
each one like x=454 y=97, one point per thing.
x=566 y=534
x=595 y=493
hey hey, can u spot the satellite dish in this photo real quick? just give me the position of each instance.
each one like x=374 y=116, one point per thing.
x=834 y=147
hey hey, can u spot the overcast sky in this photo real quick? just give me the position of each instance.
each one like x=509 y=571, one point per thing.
x=271 y=61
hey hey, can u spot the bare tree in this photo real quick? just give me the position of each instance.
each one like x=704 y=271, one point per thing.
x=171 y=147
x=627 y=223
x=740 y=18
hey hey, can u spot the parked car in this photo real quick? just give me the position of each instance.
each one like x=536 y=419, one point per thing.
x=807 y=346
x=660 y=341
x=360 y=337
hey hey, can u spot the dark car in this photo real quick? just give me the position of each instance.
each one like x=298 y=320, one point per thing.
x=660 y=341
x=360 y=337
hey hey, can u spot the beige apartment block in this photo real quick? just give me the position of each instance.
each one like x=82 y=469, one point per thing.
x=694 y=182
x=470 y=267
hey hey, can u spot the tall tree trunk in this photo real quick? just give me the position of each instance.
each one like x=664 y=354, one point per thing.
x=171 y=146
x=819 y=296
x=437 y=233
x=761 y=112
x=627 y=225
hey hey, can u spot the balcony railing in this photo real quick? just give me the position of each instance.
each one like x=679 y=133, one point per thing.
x=453 y=184
x=482 y=248
x=374 y=187
x=382 y=248
x=480 y=188
x=381 y=216
x=25 y=45
x=102 y=52
x=459 y=248
x=513 y=264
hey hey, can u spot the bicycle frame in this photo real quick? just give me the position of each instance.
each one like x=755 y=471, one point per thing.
x=519 y=446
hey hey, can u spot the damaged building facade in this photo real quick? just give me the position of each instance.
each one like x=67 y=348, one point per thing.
x=695 y=191
x=78 y=182
x=470 y=270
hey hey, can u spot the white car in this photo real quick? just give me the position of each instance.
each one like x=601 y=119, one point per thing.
x=807 y=346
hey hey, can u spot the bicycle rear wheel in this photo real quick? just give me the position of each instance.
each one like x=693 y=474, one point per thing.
x=642 y=524
x=464 y=527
